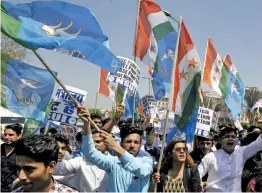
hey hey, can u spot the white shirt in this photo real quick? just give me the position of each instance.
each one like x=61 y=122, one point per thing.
x=225 y=170
x=89 y=177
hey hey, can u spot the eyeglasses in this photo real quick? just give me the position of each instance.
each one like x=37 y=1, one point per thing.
x=179 y=149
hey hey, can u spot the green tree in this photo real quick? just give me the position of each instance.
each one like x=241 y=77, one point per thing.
x=252 y=95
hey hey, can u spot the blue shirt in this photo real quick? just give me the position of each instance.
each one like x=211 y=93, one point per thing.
x=125 y=174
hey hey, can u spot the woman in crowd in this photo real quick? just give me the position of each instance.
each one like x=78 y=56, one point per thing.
x=178 y=172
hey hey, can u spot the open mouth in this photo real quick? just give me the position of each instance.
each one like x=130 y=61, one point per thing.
x=230 y=143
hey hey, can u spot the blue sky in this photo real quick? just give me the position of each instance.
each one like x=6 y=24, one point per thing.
x=234 y=26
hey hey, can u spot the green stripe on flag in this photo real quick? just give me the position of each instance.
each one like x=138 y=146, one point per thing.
x=223 y=81
x=191 y=98
x=162 y=29
x=4 y=63
x=11 y=27
x=119 y=94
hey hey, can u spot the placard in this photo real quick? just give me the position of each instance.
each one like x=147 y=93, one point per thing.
x=70 y=132
x=149 y=105
x=63 y=109
x=206 y=120
x=127 y=76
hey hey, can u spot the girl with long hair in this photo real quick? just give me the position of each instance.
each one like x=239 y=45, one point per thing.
x=178 y=172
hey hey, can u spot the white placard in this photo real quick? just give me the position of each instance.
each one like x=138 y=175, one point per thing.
x=63 y=109
x=206 y=119
x=127 y=76
x=149 y=105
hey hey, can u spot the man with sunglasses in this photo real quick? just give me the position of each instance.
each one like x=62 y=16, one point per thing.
x=225 y=165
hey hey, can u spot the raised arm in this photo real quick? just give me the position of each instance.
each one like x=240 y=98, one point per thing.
x=88 y=148
x=252 y=148
x=140 y=167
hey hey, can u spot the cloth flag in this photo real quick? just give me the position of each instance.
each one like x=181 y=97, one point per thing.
x=55 y=25
x=156 y=39
x=225 y=81
x=116 y=93
x=257 y=105
x=26 y=90
x=187 y=77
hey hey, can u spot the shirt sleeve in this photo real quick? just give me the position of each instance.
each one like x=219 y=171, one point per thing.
x=252 y=148
x=66 y=167
x=204 y=165
x=94 y=156
x=140 y=167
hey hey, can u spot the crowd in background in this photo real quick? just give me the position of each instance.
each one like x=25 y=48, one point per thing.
x=123 y=157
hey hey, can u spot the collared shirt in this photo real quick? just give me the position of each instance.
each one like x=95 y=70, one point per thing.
x=225 y=170
x=9 y=172
x=125 y=174
x=57 y=187
x=89 y=178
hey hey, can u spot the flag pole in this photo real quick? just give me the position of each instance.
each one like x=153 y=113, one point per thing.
x=169 y=105
x=96 y=101
x=134 y=99
x=65 y=89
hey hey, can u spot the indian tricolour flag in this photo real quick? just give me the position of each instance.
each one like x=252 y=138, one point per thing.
x=223 y=78
x=186 y=78
x=213 y=66
x=155 y=40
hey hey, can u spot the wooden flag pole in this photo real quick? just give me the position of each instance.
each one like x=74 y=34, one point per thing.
x=65 y=89
x=134 y=99
x=96 y=101
x=170 y=101
x=162 y=148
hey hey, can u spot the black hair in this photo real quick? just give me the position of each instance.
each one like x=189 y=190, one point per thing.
x=41 y=148
x=61 y=138
x=79 y=136
x=258 y=185
x=126 y=128
x=15 y=127
x=167 y=163
x=95 y=116
x=208 y=138
x=227 y=130
x=42 y=129
x=105 y=121
x=251 y=128
x=52 y=130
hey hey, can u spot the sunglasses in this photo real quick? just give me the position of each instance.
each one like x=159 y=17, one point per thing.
x=179 y=149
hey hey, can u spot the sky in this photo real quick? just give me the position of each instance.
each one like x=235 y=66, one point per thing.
x=234 y=27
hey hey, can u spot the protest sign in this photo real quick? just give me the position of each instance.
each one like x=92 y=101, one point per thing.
x=128 y=75
x=70 y=132
x=149 y=105
x=63 y=109
x=206 y=120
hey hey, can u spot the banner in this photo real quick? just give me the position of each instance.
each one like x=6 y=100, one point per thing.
x=128 y=75
x=63 y=109
x=149 y=105
x=70 y=133
x=206 y=120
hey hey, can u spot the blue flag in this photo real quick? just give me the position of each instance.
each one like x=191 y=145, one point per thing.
x=187 y=132
x=129 y=106
x=59 y=26
x=26 y=90
x=235 y=93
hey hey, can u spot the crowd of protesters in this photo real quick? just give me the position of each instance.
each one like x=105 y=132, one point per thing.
x=123 y=157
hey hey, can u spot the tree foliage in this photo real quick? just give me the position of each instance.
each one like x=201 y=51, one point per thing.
x=11 y=48
x=252 y=95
